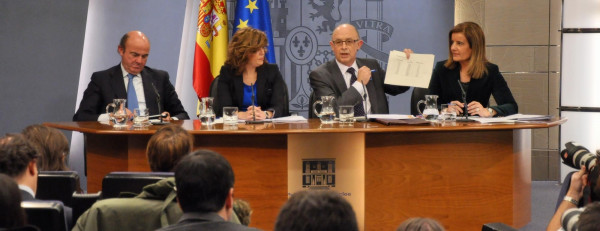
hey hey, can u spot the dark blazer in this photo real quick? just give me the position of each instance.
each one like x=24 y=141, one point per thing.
x=270 y=92
x=108 y=85
x=444 y=83
x=204 y=221
x=327 y=79
x=68 y=211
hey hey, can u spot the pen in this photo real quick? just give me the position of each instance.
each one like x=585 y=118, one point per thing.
x=373 y=70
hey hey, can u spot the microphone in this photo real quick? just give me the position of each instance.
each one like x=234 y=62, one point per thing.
x=365 y=99
x=253 y=105
x=464 y=99
x=160 y=115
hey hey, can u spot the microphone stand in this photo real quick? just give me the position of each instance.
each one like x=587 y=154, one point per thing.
x=464 y=99
x=364 y=100
x=160 y=115
x=253 y=121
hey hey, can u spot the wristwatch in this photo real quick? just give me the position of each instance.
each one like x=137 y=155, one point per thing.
x=571 y=200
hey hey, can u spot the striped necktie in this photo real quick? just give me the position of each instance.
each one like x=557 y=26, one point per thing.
x=359 y=110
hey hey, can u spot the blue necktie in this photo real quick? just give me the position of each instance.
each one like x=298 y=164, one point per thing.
x=359 y=110
x=132 y=101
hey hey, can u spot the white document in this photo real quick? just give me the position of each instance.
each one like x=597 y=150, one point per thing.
x=414 y=72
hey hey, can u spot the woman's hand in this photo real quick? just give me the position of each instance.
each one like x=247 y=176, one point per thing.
x=475 y=108
x=251 y=112
x=458 y=106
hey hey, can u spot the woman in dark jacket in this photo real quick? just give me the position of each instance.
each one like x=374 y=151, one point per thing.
x=247 y=78
x=468 y=74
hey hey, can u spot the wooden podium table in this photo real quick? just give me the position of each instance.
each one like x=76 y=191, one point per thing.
x=464 y=175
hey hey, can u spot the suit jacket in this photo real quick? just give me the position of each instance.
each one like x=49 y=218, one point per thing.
x=68 y=211
x=270 y=92
x=108 y=85
x=327 y=79
x=444 y=83
x=204 y=221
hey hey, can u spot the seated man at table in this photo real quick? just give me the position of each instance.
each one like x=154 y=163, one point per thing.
x=204 y=181
x=353 y=81
x=142 y=86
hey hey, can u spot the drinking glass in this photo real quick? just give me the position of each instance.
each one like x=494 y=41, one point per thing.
x=141 y=117
x=448 y=113
x=346 y=114
x=230 y=115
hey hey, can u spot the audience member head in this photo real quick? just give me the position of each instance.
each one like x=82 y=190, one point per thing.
x=11 y=213
x=466 y=44
x=589 y=219
x=204 y=181
x=167 y=146
x=52 y=147
x=345 y=43
x=134 y=49
x=243 y=44
x=18 y=160
x=243 y=211
x=420 y=224
x=315 y=211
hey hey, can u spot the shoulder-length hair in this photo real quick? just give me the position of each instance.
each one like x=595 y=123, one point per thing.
x=167 y=147
x=474 y=34
x=245 y=41
x=52 y=147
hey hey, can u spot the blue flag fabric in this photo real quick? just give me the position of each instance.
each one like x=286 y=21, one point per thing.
x=257 y=15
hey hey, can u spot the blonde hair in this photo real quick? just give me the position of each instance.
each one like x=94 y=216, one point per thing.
x=478 y=62
x=245 y=41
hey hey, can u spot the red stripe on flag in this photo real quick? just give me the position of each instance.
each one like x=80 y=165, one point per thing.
x=202 y=75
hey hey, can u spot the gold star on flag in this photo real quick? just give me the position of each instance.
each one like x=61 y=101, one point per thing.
x=242 y=24
x=252 y=6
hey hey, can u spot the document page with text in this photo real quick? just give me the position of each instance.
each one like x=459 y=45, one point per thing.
x=413 y=72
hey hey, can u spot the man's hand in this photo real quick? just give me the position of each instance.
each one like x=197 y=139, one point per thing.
x=364 y=75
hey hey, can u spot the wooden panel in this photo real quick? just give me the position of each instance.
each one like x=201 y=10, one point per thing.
x=463 y=179
x=260 y=167
x=110 y=153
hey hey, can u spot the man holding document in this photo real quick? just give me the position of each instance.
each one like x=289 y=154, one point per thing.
x=353 y=81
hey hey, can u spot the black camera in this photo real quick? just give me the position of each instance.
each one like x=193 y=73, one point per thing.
x=575 y=156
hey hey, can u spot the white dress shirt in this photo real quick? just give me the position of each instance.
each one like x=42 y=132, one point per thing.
x=362 y=90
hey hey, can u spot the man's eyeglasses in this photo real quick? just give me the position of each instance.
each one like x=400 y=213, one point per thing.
x=348 y=42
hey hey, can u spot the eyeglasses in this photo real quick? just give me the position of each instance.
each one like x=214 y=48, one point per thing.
x=348 y=42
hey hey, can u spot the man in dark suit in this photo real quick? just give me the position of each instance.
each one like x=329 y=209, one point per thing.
x=150 y=85
x=18 y=160
x=204 y=181
x=353 y=81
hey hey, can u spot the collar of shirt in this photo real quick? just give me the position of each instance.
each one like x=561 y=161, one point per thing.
x=361 y=90
x=138 y=85
x=344 y=70
x=125 y=73
x=27 y=189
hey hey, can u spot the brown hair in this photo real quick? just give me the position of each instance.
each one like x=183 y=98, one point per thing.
x=476 y=39
x=51 y=145
x=420 y=223
x=167 y=146
x=244 y=42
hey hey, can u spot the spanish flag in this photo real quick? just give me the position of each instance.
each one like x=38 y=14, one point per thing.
x=211 y=45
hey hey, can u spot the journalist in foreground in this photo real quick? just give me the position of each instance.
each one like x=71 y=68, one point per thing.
x=142 y=86
x=247 y=81
x=467 y=77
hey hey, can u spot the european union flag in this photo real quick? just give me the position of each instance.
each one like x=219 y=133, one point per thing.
x=257 y=15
